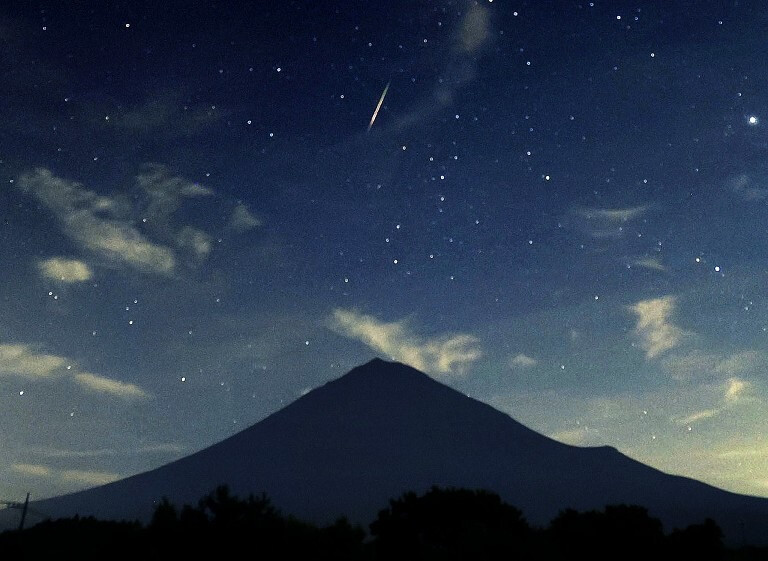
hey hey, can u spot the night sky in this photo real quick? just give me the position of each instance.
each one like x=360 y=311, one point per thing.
x=559 y=209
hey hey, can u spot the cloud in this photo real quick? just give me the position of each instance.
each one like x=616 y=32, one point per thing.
x=194 y=241
x=735 y=389
x=438 y=355
x=167 y=114
x=242 y=220
x=697 y=364
x=743 y=186
x=166 y=192
x=603 y=222
x=472 y=38
x=741 y=362
x=23 y=360
x=656 y=332
x=652 y=263
x=522 y=361
x=614 y=215
x=88 y=477
x=575 y=437
x=691 y=365
x=100 y=384
x=98 y=223
x=161 y=448
x=748 y=452
x=65 y=270
x=36 y=470
x=698 y=416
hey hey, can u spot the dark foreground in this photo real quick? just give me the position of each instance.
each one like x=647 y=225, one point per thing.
x=445 y=524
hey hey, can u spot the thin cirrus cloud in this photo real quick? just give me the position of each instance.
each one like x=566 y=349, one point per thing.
x=748 y=188
x=150 y=449
x=36 y=470
x=698 y=416
x=732 y=391
x=521 y=360
x=696 y=364
x=100 y=384
x=603 y=222
x=24 y=361
x=447 y=355
x=654 y=328
x=652 y=263
x=576 y=437
x=72 y=476
x=65 y=270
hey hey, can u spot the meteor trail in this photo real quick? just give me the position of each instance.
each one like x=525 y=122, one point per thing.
x=378 y=105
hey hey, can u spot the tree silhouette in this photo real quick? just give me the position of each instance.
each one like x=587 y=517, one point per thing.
x=450 y=524
x=618 y=532
x=703 y=542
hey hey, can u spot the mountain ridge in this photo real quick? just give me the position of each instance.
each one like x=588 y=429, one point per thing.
x=350 y=445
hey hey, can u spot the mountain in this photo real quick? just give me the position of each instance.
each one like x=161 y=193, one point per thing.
x=349 y=446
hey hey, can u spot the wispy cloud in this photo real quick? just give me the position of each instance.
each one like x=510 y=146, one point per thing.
x=732 y=392
x=653 y=263
x=23 y=360
x=167 y=114
x=699 y=364
x=98 y=223
x=747 y=188
x=612 y=215
x=698 y=416
x=473 y=36
x=451 y=354
x=242 y=220
x=166 y=192
x=654 y=327
x=576 y=437
x=150 y=449
x=100 y=384
x=36 y=470
x=522 y=361
x=691 y=365
x=77 y=476
x=195 y=242
x=65 y=270
x=88 y=477
x=736 y=389
x=745 y=452
x=742 y=362
x=603 y=222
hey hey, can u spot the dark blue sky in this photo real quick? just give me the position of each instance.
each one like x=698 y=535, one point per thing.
x=559 y=209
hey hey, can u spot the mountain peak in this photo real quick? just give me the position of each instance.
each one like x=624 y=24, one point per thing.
x=384 y=428
x=382 y=378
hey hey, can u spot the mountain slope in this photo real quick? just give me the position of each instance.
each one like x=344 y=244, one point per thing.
x=349 y=446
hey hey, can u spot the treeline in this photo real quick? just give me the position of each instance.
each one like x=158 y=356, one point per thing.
x=442 y=524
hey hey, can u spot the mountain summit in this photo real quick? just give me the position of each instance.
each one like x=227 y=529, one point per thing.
x=350 y=445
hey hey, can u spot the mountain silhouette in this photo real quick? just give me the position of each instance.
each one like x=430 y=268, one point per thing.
x=349 y=446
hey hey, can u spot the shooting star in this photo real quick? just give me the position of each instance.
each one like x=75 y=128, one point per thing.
x=378 y=105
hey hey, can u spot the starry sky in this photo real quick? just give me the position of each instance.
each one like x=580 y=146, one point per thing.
x=559 y=209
